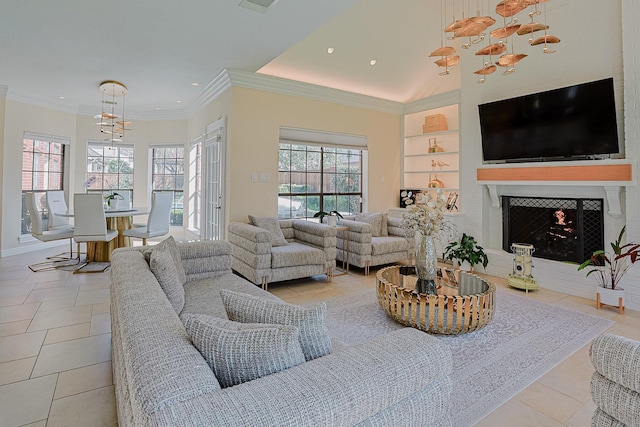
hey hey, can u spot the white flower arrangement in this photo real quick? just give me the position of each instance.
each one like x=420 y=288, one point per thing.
x=426 y=216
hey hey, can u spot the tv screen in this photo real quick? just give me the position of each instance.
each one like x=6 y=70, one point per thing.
x=573 y=122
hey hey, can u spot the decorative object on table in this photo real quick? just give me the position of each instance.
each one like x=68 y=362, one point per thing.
x=434 y=123
x=452 y=200
x=521 y=276
x=112 y=125
x=434 y=147
x=466 y=252
x=435 y=182
x=609 y=268
x=426 y=219
x=409 y=197
x=451 y=277
x=332 y=217
x=112 y=200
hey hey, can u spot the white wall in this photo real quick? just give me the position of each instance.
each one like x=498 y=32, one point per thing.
x=583 y=55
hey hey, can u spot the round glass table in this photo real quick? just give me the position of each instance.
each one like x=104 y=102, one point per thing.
x=462 y=303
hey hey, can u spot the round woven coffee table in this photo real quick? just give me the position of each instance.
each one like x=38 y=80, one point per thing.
x=457 y=308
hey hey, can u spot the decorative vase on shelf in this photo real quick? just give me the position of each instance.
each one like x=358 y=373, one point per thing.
x=426 y=264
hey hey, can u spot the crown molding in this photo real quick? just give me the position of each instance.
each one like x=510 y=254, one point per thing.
x=434 y=101
x=39 y=101
x=214 y=89
x=282 y=86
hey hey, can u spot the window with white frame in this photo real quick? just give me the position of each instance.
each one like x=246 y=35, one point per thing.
x=110 y=169
x=319 y=171
x=42 y=170
x=167 y=174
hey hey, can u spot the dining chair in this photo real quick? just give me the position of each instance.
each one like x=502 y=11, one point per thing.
x=57 y=205
x=158 y=221
x=90 y=220
x=38 y=231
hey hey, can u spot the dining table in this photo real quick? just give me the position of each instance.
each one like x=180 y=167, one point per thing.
x=117 y=219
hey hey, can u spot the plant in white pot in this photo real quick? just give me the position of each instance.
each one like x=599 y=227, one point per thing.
x=332 y=217
x=112 y=200
x=608 y=268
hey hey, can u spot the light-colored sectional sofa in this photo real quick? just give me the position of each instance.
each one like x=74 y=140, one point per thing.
x=161 y=379
x=615 y=384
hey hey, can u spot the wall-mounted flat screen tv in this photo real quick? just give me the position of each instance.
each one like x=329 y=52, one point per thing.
x=575 y=122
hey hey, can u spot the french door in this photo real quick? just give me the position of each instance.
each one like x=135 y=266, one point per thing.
x=213 y=179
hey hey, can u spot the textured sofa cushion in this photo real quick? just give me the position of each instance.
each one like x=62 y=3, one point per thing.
x=272 y=226
x=295 y=254
x=241 y=352
x=378 y=222
x=162 y=265
x=314 y=336
x=170 y=245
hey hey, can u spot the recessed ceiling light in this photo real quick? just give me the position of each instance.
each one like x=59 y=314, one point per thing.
x=373 y=62
x=195 y=84
x=157 y=108
x=61 y=97
x=179 y=102
x=330 y=50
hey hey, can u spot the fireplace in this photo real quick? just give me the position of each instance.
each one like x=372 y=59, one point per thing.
x=560 y=229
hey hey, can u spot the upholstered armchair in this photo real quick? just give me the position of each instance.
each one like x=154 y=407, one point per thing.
x=275 y=250
x=373 y=239
x=615 y=384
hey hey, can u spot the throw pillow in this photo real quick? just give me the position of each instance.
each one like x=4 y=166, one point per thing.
x=272 y=226
x=241 y=352
x=373 y=219
x=162 y=266
x=314 y=336
x=170 y=245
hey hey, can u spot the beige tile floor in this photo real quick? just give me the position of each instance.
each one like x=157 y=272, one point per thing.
x=55 y=356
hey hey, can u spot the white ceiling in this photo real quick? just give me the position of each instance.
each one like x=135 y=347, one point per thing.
x=54 y=48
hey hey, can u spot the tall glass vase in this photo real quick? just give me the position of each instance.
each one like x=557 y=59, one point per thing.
x=426 y=265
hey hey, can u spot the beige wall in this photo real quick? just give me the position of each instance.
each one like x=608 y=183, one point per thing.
x=2 y=113
x=253 y=146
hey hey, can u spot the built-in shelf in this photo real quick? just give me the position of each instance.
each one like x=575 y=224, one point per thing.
x=612 y=175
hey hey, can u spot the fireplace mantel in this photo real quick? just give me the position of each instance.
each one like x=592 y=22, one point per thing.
x=611 y=175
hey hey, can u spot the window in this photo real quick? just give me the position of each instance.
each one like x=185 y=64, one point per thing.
x=42 y=170
x=313 y=178
x=168 y=175
x=110 y=169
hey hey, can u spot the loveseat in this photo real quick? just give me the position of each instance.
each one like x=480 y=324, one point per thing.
x=373 y=239
x=290 y=249
x=615 y=384
x=161 y=379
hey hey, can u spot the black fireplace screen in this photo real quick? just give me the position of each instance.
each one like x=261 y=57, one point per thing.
x=559 y=229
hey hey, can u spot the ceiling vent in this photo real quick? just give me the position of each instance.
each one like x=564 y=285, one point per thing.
x=258 y=5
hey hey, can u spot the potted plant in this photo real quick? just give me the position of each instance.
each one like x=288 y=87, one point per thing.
x=112 y=200
x=466 y=251
x=332 y=217
x=609 y=268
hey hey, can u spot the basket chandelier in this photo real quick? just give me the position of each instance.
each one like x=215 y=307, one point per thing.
x=498 y=50
x=112 y=122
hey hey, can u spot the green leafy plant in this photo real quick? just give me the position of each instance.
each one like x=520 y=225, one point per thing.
x=610 y=267
x=322 y=214
x=467 y=249
x=109 y=197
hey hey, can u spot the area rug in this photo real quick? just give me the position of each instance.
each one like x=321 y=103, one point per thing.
x=525 y=339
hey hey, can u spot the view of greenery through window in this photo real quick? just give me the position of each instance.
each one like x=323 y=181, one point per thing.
x=42 y=170
x=313 y=178
x=168 y=175
x=110 y=169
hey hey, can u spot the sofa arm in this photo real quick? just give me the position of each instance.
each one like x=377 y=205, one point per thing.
x=617 y=359
x=318 y=235
x=394 y=226
x=332 y=390
x=359 y=232
x=205 y=258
